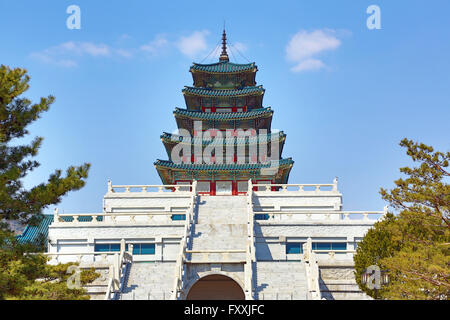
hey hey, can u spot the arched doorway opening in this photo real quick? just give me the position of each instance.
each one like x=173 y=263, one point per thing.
x=216 y=287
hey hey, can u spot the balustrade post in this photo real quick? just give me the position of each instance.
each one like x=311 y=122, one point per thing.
x=110 y=188
x=385 y=212
x=122 y=245
x=335 y=184
x=56 y=215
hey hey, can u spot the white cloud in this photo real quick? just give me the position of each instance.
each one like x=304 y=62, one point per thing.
x=193 y=44
x=308 y=64
x=156 y=45
x=63 y=55
x=304 y=46
x=124 y=53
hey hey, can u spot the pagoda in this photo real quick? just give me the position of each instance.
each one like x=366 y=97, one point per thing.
x=224 y=134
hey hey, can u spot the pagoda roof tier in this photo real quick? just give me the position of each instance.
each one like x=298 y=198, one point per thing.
x=224 y=67
x=288 y=162
x=225 y=116
x=174 y=138
x=205 y=92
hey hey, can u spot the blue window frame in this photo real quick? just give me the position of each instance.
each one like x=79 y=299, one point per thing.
x=261 y=216
x=107 y=247
x=339 y=246
x=329 y=246
x=294 y=248
x=177 y=217
x=321 y=246
x=143 y=248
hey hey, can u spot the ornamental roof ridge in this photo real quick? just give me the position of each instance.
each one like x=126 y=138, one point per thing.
x=224 y=115
x=238 y=140
x=202 y=91
x=234 y=166
x=223 y=67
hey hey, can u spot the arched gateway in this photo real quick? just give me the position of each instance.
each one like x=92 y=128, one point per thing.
x=216 y=287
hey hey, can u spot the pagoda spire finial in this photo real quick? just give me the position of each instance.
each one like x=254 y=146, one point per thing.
x=224 y=54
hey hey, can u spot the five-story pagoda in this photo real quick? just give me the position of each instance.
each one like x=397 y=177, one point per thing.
x=224 y=134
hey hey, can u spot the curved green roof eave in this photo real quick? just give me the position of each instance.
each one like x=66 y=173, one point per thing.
x=223 y=67
x=253 y=114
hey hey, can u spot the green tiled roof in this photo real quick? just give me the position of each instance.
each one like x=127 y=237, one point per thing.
x=32 y=234
x=216 y=167
x=256 y=113
x=224 y=92
x=238 y=140
x=223 y=67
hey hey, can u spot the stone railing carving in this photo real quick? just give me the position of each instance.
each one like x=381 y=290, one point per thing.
x=312 y=271
x=181 y=258
x=250 y=250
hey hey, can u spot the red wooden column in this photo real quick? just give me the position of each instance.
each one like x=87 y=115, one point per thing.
x=212 y=188
x=234 y=188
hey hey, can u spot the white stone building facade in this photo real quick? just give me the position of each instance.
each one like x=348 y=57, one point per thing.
x=169 y=242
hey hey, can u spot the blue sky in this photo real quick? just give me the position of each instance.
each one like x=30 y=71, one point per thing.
x=345 y=95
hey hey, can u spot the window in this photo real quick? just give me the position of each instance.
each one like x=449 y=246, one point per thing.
x=339 y=246
x=321 y=246
x=242 y=186
x=329 y=246
x=107 y=247
x=143 y=248
x=177 y=217
x=294 y=248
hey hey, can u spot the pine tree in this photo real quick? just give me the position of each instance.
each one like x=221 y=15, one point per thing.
x=20 y=267
x=418 y=259
x=16 y=113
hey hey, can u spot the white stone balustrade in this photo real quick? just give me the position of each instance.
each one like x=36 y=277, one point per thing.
x=178 y=283
x=149 y=188
x=117 y=218
x=283 y=215
x=303 y=188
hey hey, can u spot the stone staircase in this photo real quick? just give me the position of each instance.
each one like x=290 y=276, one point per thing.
x=221 y=224
x=97 y=289
x=280 y=280
x=148 y=281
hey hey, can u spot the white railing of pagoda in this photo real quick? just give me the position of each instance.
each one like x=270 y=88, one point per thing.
x=181 y=259
x=345 y=215
x=115 y=217
x=167 y=188
x=312 y=271
x=117 y=265
x=117 y=272
x=324 y=187
x=250 y=250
